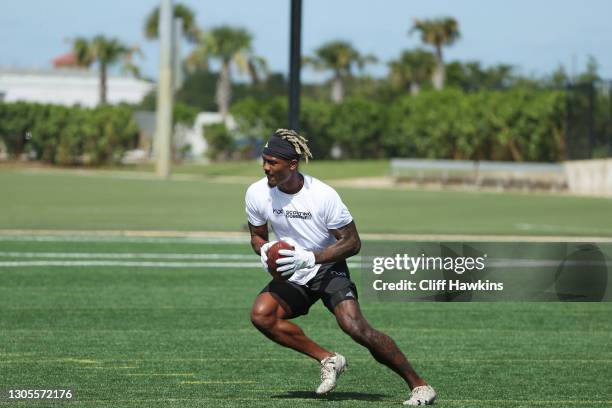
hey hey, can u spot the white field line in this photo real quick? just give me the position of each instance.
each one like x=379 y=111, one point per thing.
x=226 y=237
x=128 y=239
x=109 y=262
x=115 y=255
x=141 y=264
x=226 y=258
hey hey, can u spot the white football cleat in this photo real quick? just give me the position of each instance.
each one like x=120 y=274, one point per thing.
x=423 y=395
x=331 y=368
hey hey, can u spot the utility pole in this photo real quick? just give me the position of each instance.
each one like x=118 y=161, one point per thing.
x=295 y=56
x=165 y=92
x=177 y=73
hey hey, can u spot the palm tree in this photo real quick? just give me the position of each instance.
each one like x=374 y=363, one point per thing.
x=438 y=32
x=105 y=51
x=231 y=46
x=339 y=57
x=413 y=68
x=187 y=16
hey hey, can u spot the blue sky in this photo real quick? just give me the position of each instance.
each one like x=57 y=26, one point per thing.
x=536 y=36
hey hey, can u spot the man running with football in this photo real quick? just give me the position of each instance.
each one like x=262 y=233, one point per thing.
x=310 y=215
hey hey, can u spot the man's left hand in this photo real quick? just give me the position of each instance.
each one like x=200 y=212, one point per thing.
x=295 y=260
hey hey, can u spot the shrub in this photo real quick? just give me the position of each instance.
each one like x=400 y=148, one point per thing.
x=67 y=135
x=221 y=144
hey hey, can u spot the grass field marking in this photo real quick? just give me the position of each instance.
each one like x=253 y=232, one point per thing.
x=56 y=360
x=126 y=233
x=219 y=382
x=132 y=240
x=539 y=263
x=506 y=263
x=160 y=374
x=301 y=360
x=508 y=332
x=237 y=237
x=489 y=330
x=555 y=228
x=81 y=360
x=121 y=255
x=513 y=360
x=111 y=368
x=110 y=402
x=481 y=238
x=530 y=401
x=162 y=360
x=3 y=355
x=260 y=399
x=141 y=264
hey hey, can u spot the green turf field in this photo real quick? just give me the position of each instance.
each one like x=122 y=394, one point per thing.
x=71 y=199
x=160 y=322
x=164 y=322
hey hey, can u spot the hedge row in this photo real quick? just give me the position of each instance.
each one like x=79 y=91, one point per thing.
x=67 y=135
x=517 y=125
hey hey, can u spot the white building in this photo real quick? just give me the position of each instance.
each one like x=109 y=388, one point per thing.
x=195 y=136
x=183 y=136
x=68 y=86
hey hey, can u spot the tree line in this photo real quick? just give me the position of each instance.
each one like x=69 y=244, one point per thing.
x=424 y=107
x=516 y=125
x=231 y=49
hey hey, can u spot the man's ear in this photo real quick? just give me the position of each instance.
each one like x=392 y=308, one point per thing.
x=293 y=164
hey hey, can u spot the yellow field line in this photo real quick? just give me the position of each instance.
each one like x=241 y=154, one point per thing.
x=161 y=374
x=237 y=359
x=112 y=368
x=219 y=382
x=252 y=330
x=452 y=401
x=515 y=401
x=80 y=360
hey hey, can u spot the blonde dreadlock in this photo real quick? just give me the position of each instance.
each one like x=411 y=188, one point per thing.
x=298 y=142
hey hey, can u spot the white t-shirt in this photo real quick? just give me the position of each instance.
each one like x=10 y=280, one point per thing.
x=306 y=216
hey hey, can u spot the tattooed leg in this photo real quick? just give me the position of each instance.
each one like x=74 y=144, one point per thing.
x=382 y=347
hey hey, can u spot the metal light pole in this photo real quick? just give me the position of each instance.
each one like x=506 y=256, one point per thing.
x=164 y=91
x=295 y=56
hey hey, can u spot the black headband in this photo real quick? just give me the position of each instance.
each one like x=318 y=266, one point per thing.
x=279 y=147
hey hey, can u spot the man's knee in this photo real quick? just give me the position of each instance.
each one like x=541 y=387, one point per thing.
x=263 y=317
x=355 y=327
x=266 y=311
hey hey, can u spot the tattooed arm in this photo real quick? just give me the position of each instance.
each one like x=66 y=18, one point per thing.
x=348 y=244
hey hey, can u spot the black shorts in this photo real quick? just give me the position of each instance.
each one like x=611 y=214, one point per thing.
x=332 y=284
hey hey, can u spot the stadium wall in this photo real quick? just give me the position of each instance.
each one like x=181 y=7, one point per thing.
x=589 y=176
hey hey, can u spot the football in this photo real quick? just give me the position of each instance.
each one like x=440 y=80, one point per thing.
x=273 y=255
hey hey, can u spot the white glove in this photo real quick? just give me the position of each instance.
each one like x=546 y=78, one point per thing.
x=264 y=254
x=295 y=260
x=291 y=242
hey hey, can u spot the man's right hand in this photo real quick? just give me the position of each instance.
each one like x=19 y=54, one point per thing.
x=264 y=254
